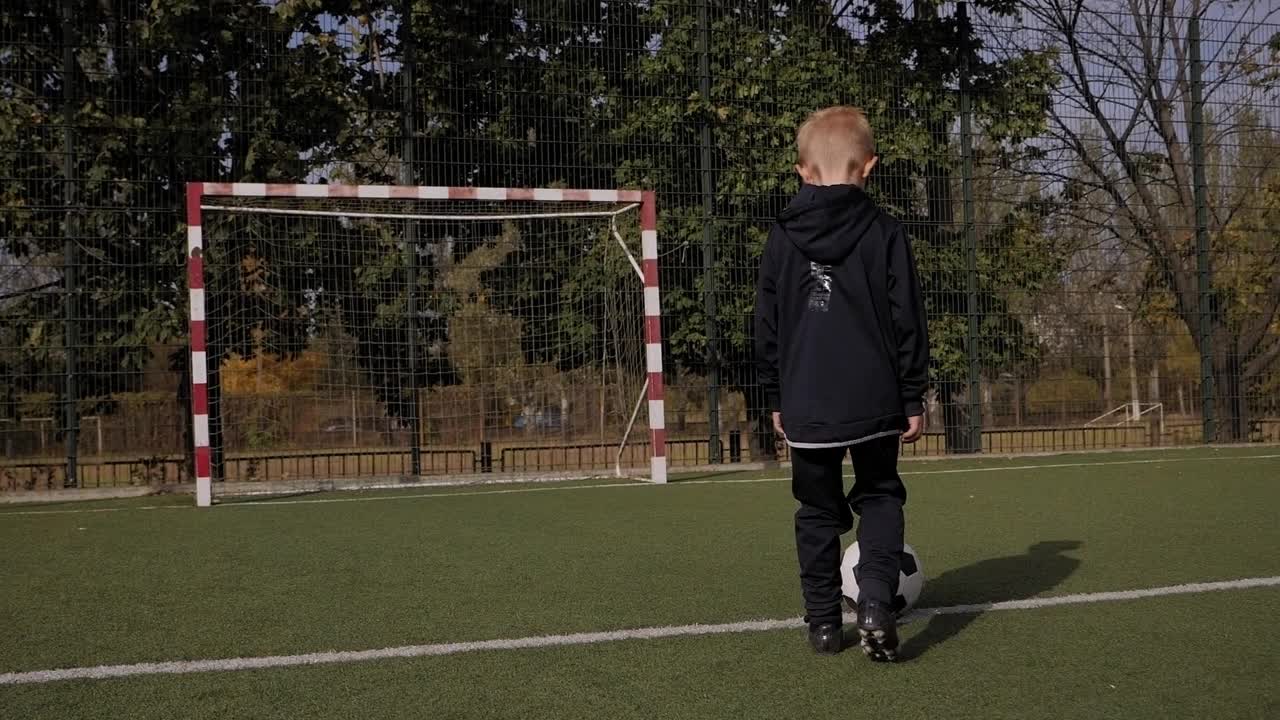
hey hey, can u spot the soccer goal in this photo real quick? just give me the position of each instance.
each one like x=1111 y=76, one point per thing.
x=370 y=332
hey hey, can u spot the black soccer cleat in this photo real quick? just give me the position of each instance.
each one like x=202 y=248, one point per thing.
x=878 y=631
x=826 y=638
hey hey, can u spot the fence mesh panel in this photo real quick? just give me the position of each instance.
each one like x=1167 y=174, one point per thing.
x=1091 y=188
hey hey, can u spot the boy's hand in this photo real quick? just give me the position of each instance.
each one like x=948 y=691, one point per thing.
x=777 y=425
x=915 y=428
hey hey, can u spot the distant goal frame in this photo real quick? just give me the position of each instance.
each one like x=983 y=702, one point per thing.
x=198 y=192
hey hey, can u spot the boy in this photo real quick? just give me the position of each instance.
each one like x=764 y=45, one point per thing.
x=843 y=355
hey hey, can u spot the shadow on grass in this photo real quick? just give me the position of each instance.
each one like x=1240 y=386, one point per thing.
x=265 y=497
x=724 y=475
x=1015 y=577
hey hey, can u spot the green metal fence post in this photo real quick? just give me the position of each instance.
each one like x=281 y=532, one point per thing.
x=407 y=177
x=970 y=236
x=70 y=260
x=709 y=239
x=1204 y=278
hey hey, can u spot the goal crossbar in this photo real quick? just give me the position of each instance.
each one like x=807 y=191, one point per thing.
x=421 y=216
x=198 y=192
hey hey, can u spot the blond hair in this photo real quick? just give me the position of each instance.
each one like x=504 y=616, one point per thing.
x=835 y=140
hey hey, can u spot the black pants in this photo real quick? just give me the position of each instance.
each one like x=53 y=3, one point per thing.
x=826 y=513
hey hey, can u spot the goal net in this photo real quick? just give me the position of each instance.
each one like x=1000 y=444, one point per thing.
x=387 y=332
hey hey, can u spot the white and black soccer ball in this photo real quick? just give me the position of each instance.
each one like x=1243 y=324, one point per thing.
x=910 y=579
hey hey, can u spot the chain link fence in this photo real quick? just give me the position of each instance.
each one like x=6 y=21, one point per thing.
x=1092 y=189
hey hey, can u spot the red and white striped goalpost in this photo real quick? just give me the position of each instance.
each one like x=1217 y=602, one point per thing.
x=198 y=192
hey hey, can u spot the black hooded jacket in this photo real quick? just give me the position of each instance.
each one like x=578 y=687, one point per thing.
x=842 y=347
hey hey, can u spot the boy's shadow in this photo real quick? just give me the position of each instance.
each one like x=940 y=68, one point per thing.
x=1015 y=577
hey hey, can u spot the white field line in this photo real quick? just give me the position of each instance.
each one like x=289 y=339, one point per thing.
x=677 y=483
x=178 y=667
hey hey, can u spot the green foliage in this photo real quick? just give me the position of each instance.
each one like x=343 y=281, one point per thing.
x=1016 y=257
x=1068 y=388
x=767 y=73
x=240 y=90
x=484 y=344
x=769 y=70
x=187 y=70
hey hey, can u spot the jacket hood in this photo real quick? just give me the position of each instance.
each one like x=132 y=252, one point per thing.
x=826 y=222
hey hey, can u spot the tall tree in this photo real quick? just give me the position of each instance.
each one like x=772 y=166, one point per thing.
x=164 y=93
x=506 y=94
x=1126 y=71
x=771 y=64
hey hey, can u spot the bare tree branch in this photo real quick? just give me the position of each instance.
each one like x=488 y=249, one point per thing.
x=1124 y=70
x=1262 y=361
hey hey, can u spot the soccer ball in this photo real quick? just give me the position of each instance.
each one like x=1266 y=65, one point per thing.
x=910 y=579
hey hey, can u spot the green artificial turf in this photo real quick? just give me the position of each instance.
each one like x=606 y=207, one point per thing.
x=1127 y=661
x=256 y=578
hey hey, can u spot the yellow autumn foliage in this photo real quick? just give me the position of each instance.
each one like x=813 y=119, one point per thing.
x=267 y=374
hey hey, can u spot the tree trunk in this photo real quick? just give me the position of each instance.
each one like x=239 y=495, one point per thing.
x=564 y=415
x=955 y=417
x=932 y=409
x=763 y=443
x=1108 y=399
x=180 y=363
x=1229 y=403
x=1018 y=399
x=213 y=385
x=1153 y=386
